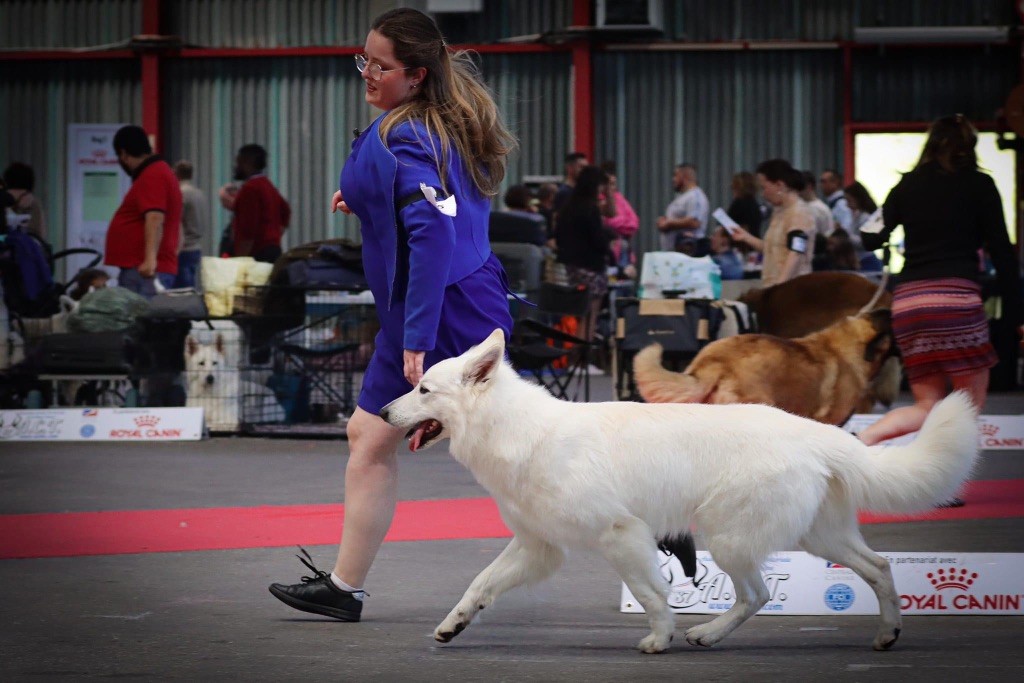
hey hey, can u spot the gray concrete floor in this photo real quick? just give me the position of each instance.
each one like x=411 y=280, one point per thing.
x=207 y=615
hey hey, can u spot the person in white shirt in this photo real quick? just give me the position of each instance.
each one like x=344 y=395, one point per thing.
x=823 y=222
x=686 y=218
x=832 y=190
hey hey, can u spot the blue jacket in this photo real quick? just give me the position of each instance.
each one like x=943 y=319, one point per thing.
x=434 y=250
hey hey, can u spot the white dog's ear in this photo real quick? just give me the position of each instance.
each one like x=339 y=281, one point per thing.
x=191 y=345
x=486 y=359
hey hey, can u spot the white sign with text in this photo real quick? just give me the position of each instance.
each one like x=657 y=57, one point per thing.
x=802 y=584
x=102 y=424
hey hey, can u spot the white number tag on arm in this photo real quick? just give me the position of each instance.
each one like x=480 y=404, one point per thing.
x=445 y=206
x=875 y=223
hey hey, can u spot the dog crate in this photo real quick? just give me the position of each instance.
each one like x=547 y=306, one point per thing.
x=302 y=372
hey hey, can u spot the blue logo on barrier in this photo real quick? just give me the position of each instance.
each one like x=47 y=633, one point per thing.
x=839 y=597
x=87 y=430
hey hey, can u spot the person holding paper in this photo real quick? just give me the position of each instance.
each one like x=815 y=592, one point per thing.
x=788 y=244
x=949 y=209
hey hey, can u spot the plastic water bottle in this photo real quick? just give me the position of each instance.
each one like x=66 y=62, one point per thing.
x=716 y=284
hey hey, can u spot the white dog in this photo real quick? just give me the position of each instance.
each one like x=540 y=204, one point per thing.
x=616 y=476
x=215 y=386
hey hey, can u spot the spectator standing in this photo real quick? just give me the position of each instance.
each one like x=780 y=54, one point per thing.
x=546 y=205
x=194 y=224
x=574 y=163
x=744 y=208
x=583 y=241
x=20 y=180
x=686 y=218
x=861 y=207
x=832 y=190
x=840 y=253
x=261 y=213
x=618 y=213
x=823 y=222
x=518 y=222
x=788 y=243
x=949 y=210
x=143 y=236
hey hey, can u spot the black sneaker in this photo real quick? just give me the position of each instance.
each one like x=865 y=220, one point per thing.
x=318 y=594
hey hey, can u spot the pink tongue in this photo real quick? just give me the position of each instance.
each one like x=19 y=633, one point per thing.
x=417 y=437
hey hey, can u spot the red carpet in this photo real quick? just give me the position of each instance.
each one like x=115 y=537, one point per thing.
x=154 y=531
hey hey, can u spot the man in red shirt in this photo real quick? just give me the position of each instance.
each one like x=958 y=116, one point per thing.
x=261 y=213
x=142 y=239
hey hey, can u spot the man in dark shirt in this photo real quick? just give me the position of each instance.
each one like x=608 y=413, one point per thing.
x=574 y=163
x=261 y=213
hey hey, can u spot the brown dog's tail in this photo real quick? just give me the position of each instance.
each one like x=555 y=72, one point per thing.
x=658 y=385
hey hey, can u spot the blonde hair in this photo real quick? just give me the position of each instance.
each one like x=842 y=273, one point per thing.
x=452 y=101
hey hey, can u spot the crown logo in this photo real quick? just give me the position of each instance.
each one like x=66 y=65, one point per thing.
x=952 y=579
x=147 y=421
x=989 y=429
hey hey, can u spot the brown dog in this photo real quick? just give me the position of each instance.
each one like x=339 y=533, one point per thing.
x=812 y=302
x=822 y=376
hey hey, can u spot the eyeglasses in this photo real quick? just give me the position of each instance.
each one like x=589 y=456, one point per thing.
x=375 y=72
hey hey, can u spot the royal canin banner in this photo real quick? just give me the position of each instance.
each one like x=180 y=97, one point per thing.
x=802 y=584
x=995 y=432
x=102 y=424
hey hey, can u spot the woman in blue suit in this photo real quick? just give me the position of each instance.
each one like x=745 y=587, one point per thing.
x=438 y=288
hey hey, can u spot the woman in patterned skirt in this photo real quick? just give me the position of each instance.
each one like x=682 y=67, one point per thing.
x=949 y=210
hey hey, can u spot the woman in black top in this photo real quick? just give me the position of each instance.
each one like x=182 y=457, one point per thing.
x=744 y=208
x=584 y=244
x=949 y=210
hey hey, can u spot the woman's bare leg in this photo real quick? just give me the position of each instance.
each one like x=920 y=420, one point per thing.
x=371 y=491
x=975 y=384
x=927 y=392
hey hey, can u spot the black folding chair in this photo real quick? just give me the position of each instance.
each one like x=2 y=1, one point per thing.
x=558 y=359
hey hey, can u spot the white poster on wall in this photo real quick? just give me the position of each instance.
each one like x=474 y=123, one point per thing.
x=95 y=186
x=802 y=584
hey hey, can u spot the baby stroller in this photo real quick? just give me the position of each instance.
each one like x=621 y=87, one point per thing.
x=32 y=310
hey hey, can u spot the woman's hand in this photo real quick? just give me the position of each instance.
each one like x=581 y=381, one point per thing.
x=412 y=362
x=338 y=203
x=738 y=234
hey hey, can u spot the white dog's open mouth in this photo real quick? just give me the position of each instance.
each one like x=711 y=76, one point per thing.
x=424 y=434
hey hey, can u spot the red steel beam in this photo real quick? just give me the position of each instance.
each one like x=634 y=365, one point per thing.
x=848 y=149
x=151 y=85
x=583 y=84
x=50 y=55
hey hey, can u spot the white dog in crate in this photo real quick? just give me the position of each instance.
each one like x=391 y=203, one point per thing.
x=215 y=385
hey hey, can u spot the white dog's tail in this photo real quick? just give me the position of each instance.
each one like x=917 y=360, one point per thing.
x=658 y=385
x=927 y=471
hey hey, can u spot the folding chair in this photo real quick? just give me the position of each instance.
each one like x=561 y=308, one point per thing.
x=546 y=346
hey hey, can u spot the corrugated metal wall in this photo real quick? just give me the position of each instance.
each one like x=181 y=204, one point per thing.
x=707 y=20
x=723 y=111
x=38 y=101
x=921 y=85
x=273 y=23
x=67 y=23
x=303 y=110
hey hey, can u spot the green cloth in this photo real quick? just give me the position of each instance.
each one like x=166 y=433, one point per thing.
x=107 y=310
